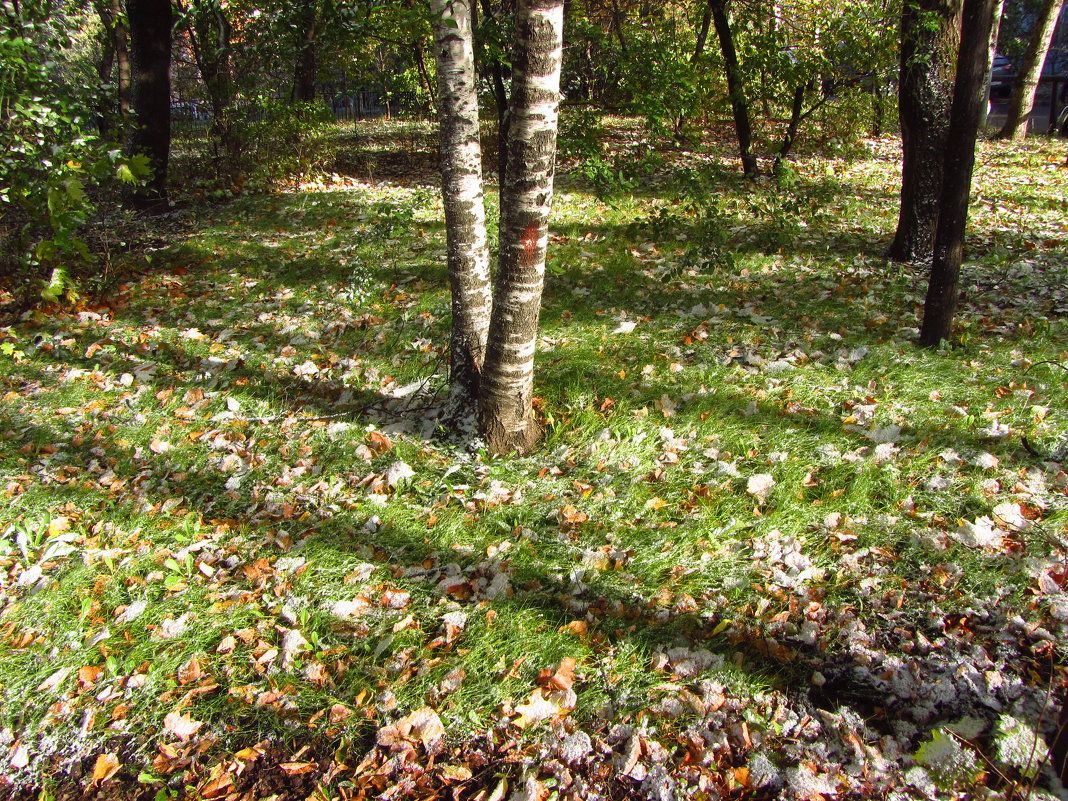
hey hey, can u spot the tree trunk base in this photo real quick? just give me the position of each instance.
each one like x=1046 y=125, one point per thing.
x=502 y=441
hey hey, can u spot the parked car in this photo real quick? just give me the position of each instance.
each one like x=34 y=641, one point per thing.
x=1002 y=76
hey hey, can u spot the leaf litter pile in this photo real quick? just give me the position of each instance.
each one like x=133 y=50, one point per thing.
x=768 y=548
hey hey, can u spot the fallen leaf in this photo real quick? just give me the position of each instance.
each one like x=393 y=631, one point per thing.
x=758 y=486
x=181 y=726
x=106 y=766
x=296 y=768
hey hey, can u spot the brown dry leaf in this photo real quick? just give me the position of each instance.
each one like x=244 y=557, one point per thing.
x=219 y=783
x=257 y=570
x=456 y=773
x=296 y=768
x=190 y=671
x=580 y=628
x=253 y=752
x=181 y=726
x=106 y=766
x=339 y=713
x=379 y=442
x=426 y=726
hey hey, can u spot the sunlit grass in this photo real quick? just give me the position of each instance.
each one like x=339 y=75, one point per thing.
x=219 y=442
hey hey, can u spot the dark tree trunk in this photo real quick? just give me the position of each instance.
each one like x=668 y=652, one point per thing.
x=941 y=302
x=796 y=110
x=123 y=62
x=736 y=86
x=878 y=109
x=929 y=44
x=702 y=34
x=151 y=23
x=306 y=69
x=104 y=67
x=500 y=101
x=424 y=74
x=1023 y=96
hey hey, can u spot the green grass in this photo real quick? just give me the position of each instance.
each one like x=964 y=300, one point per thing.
x=163 y=447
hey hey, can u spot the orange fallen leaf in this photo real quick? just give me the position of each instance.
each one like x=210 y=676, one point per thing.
x=106 y=766
x=564 y=676
x=569 y=514
x=88 y=675
x=296 y=768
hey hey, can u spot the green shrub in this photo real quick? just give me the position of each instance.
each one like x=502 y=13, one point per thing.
x=52 y=163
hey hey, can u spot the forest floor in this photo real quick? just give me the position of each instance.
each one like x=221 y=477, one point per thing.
x=768 y=548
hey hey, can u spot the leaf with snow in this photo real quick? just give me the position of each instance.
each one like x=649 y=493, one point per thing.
x=132 y=612
x=398 y=473
x=882 y=434
x=181 y=726
x=54 y=680
x=979 y=534
x=1011 y=515
x=171 y=627
x=1020 y=746
x=758 y=486
x=537 y=708
x=293 y=643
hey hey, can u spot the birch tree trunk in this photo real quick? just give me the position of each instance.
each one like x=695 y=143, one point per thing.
x=1023 y=95
x=942 y=291
x=930 y=39
x=465 y=212
x=506 y=415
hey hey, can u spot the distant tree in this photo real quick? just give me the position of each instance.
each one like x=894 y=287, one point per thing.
x=941 y=302
x=992 y=49
x=309 y=19
x=151 y=23
x=115 y=57
x=210 y=30
x=930 y=41
x=743 y=128
x=1022 y=100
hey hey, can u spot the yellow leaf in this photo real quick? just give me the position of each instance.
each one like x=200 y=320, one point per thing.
x=58 y=525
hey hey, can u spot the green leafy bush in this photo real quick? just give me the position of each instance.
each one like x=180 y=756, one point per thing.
x=276 y=141
x=53 y=165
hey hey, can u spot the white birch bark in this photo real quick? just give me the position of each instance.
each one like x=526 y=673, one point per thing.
x=506 y=418
x=465 y=213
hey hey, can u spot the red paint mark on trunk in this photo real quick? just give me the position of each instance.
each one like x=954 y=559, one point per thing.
x=530 y=244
